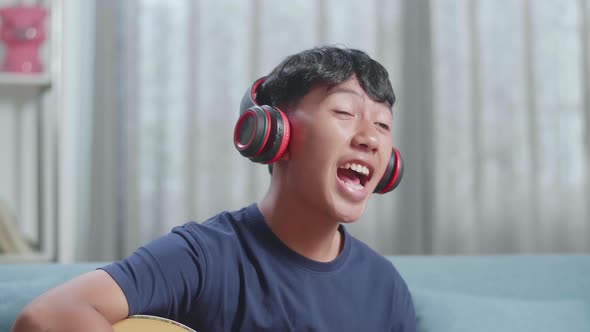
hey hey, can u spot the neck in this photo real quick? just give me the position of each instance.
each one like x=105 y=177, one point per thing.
x=300 y=226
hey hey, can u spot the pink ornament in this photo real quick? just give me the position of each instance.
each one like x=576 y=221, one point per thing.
x=22 y=30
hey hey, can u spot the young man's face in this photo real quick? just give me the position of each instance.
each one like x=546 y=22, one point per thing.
x=339 y=149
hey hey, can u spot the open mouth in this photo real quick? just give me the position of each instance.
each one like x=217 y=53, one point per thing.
x=354 y=175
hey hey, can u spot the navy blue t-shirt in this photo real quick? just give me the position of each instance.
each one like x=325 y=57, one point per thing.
x=231 y=273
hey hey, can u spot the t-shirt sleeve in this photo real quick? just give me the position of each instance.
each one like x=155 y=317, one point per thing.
x=163 y=278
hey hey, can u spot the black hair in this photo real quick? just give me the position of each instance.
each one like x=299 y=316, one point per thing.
x=330 y=65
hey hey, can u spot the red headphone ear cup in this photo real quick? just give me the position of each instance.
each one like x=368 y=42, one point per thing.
x=393 y=174
x=262 y=134
x=281 y=135
x=252 y=132
x=274 y=139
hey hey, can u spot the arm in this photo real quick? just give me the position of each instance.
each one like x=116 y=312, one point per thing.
x=162 y=278
x=90 y=302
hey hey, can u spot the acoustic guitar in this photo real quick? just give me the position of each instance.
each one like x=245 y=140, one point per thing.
x=146 y=323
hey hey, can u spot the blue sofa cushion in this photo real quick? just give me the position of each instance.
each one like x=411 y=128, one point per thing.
x=455 y=312
x=21 y=283
x=527 y=277
x=451 y=293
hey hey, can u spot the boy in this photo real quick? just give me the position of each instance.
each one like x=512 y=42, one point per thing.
x=285 y=263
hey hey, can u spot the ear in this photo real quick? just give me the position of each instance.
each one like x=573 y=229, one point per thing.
x=286 y=156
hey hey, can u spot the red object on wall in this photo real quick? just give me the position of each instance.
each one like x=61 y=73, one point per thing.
x=22 y=30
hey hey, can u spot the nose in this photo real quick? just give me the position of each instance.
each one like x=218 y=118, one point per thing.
x=365 y=137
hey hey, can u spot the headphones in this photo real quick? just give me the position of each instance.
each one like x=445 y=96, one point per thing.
x=262 y=135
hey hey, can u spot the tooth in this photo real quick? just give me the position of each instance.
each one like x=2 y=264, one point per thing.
x=357 y=168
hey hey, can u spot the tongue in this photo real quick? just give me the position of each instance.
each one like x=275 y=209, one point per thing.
x=348 y=176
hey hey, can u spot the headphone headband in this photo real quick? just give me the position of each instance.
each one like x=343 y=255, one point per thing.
x=249 y=98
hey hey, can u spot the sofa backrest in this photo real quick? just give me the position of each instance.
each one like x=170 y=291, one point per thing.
x=499 y=293
x=451 y=293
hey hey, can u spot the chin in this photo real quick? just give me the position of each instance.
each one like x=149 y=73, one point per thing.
x=349 y=212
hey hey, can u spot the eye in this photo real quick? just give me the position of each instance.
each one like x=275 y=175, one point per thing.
x=343 y=113
x=383 y=125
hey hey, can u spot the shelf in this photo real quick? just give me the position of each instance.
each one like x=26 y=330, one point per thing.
x=30 y=104
x=34 y=80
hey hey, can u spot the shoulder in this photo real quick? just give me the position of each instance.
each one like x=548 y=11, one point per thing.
x=389 y=278
x=372 y=259
x=378 y=265
x=224 y=225
x=227 y=234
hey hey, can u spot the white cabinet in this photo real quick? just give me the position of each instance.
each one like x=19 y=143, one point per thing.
x=29 y=145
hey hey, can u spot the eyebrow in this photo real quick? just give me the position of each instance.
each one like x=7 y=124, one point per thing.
x=333 y=90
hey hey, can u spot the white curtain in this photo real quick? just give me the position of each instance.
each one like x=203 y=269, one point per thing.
x=492 y=118
x=511 y=114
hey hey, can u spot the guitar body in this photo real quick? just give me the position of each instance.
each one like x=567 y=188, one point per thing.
x=145 y=323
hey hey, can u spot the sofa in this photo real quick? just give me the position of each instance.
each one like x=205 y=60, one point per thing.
x=451 y=293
